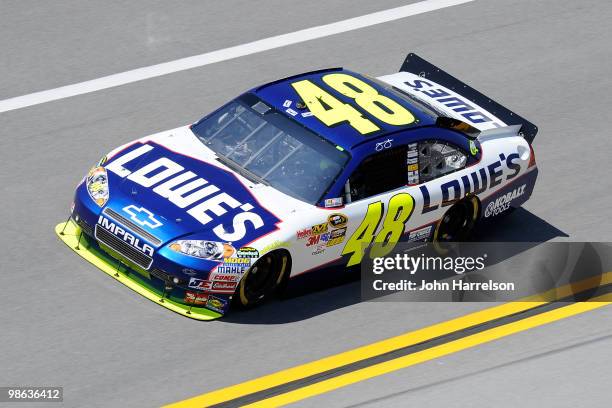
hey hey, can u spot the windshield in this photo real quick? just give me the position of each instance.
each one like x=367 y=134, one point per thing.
x=276 y=150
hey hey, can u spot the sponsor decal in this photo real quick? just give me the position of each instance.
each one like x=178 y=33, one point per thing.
x=333 y=202
x=237 y=261
x=473 y=148
x=412 y=162
x=126 y=236
x=336 y=237
x=337 y=233
x=320 y=234
x=335 y=241
x=97 y=185
x=383 y=145
x=231 y=269
x=432 y=92
x=196 y=298
x=503 y=202
x=216 y=304
x=223 y=286
x=421 y=234
x=142 y=216
x=199 y=284
x=247 y=252
x=315 y=239
x=476 y=182
x=215 y=276
x=319 y=250
x=337 y=220
x=305 y=233
x=234 y=215
x=319 y=228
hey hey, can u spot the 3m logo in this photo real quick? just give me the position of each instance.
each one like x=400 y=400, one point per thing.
x=142 y=216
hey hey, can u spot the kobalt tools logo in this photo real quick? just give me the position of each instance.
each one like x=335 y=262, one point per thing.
x=503 y=203
x=142 y=216
x=125 y=235
x=234 y=215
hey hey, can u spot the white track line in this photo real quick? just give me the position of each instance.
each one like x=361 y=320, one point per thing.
x=225 y=54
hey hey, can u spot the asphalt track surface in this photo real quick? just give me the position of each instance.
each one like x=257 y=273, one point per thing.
x=62 y=322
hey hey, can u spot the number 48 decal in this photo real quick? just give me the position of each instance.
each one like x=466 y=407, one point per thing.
x=400 y=209
x=331 y=111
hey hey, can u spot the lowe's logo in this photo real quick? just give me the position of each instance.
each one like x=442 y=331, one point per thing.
x=204 y=201
x=142 y=216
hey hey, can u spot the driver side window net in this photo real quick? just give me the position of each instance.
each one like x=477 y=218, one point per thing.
x=379 y=173
x=437 y=159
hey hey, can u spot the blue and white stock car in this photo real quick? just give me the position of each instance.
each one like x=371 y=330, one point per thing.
x=299 y=175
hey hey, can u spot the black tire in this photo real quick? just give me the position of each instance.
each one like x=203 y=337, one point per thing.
x=457 y=224
x=263 y=279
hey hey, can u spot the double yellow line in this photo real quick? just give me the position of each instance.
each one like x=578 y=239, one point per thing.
x=255 y=393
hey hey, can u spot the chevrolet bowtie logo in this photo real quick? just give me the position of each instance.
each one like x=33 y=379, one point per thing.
x=142 y=216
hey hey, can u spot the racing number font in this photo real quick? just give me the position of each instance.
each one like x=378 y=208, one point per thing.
x=400 y=209
x=331 y=111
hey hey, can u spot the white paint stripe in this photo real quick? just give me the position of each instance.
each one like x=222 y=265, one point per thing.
x=225 y=54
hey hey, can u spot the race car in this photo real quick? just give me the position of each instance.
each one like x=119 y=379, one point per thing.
x=309 y=173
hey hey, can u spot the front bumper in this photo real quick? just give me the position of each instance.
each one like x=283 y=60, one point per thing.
x=71 y=234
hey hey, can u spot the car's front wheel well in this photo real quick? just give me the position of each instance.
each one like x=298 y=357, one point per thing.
x=286 y=262
x=255 y=288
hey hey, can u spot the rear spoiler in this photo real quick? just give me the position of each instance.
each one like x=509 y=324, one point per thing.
x=418 y=66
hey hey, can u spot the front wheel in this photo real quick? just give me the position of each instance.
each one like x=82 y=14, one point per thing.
x=263 y=278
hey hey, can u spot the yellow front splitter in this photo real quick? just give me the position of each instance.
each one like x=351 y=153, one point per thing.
x=71 y=235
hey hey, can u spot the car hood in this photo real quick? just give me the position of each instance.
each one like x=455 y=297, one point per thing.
x=171 y=186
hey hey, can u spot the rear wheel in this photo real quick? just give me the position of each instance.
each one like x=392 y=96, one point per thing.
x=458 y=223
x=263 y=278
